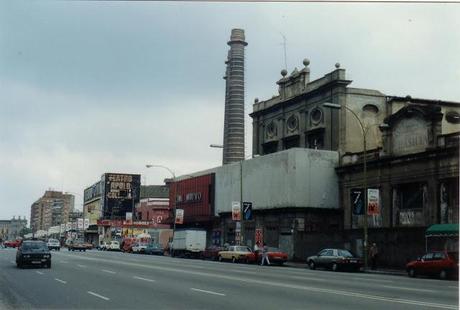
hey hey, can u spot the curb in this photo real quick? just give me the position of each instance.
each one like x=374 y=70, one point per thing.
x=383 y=272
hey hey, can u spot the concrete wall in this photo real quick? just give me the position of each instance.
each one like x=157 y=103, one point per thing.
x=292 y=178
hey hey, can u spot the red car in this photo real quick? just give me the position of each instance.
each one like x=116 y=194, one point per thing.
x=12 y=243
x=441 y=264
x=275 y=256
x=127 y=244
x=212 y=252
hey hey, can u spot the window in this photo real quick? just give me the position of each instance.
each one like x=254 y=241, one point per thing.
x=291 y=142
x=315 y=141
x=428 y=257
x=328 y=253
x=438 y=256
x=411 y=196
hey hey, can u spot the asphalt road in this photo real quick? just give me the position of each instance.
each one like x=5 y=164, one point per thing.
x=114 y=280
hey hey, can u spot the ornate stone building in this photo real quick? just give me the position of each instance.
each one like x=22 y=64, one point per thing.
x=413 y=175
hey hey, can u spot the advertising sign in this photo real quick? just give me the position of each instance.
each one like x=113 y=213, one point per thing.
x=236 y=211
x=247 y=211
x=86 y=224
x=259 y=236
x=357 y=201
x=129 y=216
x=179 y=216
x=80 y=223
x=120 y=191
x=373 y=201
x=215 y=237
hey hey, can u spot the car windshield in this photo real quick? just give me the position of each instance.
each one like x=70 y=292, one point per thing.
x=34 y=246
x=344 y=253
x=241 y=249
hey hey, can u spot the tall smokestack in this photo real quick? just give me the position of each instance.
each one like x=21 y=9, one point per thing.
x=234 y=99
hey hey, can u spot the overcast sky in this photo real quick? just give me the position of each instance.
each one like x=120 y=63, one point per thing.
x=93 y=87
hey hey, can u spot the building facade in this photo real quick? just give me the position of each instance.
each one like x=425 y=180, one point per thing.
x=12 y=229
x=413 y=176
x=51 y=210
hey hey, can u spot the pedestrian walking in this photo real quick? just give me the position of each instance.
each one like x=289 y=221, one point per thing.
x=265 y=256
x=373 y=255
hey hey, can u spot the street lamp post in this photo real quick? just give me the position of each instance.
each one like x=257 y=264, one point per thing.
x=174 y=198
x=364 y=130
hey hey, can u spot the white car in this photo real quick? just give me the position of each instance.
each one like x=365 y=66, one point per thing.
x=114 y=246
x=53 y=244
x=139 y=247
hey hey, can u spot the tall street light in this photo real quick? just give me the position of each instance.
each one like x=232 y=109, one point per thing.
x=364 y=131
x=174 y=198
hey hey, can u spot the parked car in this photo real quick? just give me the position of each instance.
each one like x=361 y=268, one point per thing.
x=54 y=244
x=441 y=264
x=237 y=253
x=335 y=259
x=88 y=245
x=102 y=246
x=12 y=243
x=33 y=252
x=275 y=256
x=154 y=249
x=139 y=247
x=212 y=252
x=76 y=245
x=114 y=246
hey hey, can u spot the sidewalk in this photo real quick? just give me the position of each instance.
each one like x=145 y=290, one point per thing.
x=386 y=271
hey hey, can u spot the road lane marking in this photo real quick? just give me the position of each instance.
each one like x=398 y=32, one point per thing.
x=453 y=286
x=97 y=295
x=407 y=288
x=39 y=272
x=81 y=266
x=59 y=280
x=280 y=284
x=372 y=280
x=144 y=279
x=63 y=261
x=207 y=292
x=108 y=271
x=12 y=261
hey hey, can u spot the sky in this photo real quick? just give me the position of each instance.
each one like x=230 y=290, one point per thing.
x=93 y=87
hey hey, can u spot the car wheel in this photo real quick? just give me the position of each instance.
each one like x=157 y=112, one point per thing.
x=443 y=274
x=335 y=267
x=19 y=265
x=48 y=265
x=312 y=265
x=411 y=272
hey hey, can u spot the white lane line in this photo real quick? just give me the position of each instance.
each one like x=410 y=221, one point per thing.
x=59 y=280
x=207 y=292
x=108 y=271
x=407 y=288
x=97 y=295
x=12 y=261
x=144 y=279
x=39 y=272
x=81 y=266
x=453 y=286
x=63 y=261
x=372 y=280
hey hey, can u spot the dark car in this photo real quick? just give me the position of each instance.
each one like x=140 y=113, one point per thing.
x=154 y=249
x=33 y=252
x=335 y=259
x=212 y=252
x=441 y=264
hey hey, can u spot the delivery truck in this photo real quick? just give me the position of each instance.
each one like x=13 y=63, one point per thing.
x=188 y=243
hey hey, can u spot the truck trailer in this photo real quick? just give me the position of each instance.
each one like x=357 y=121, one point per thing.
x=188 y=243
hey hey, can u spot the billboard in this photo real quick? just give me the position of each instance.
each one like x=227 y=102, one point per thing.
x=179 y=216
x=236 y=211
x=120 y=193
x=373 y=201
